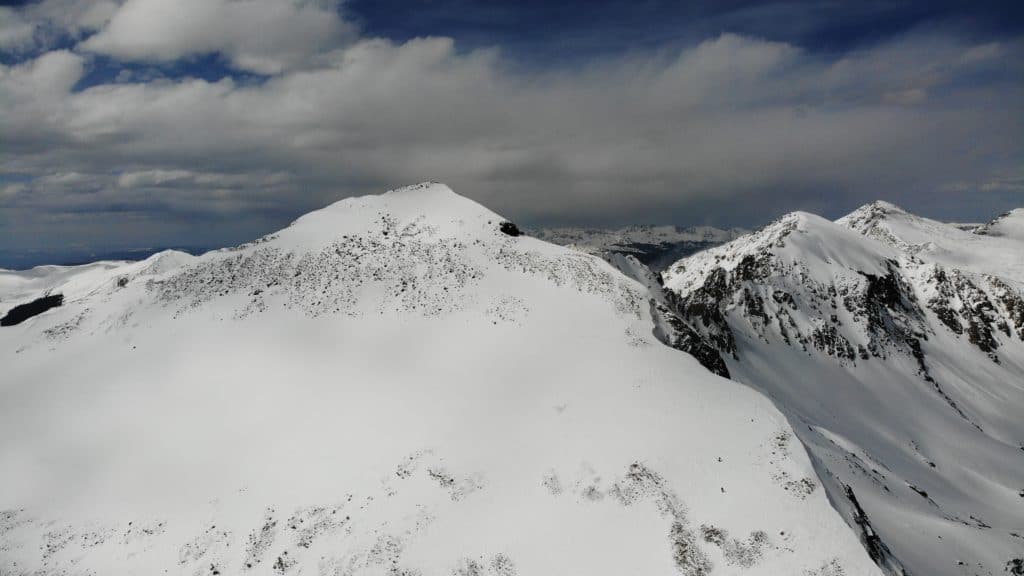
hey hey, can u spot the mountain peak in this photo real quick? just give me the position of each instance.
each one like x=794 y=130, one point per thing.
x=891 y=341
x=432 y=197
x=439 y=210
x=427 y=187
x=817 y=242
x=363 y=391
x=990 y=248
x=868 y=215
x=883 y=205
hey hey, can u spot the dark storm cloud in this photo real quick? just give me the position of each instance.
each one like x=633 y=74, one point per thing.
x=726 y=128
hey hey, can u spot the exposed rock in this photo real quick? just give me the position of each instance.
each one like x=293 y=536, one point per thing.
x=23 y=312
x=509 y=228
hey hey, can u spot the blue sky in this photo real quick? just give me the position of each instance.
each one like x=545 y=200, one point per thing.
x=136 y=123
x=540 y=30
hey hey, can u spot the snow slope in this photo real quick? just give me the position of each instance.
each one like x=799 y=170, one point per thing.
x=389 y=386
x=655 y=246
x=993 y=248
x=1008 y=225
x=898 y=358
x=17 y=286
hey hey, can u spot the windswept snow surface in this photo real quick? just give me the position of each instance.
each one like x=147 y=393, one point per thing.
x=895 y=345
x=389 y=386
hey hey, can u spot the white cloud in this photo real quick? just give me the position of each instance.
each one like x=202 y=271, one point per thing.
x=39 y=25
x=263 y=36
x=15 y=31
x=50 y=76
x=75 y=17
x=751 y=125
x=34 y=103
x=181 y=178
x=11 y=190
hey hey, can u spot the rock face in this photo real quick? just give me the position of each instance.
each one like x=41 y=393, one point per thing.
x=391 y=385
x=898 y=358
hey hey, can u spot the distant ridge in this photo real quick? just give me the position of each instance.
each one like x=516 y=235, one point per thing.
x=655 y=246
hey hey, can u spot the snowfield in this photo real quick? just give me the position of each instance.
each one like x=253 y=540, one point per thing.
x=392 y=386
x=895 y=346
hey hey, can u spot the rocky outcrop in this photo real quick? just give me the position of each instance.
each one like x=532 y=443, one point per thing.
x=23 y=312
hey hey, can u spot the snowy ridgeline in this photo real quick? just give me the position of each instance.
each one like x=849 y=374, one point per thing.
x=895 y=346
x=391 y=385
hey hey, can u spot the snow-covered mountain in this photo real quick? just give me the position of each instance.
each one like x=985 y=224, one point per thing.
x=993 y=248
x=20 y=285
x=391 y=385
x=1007 y=225
x=895 y=346
x=655 y=246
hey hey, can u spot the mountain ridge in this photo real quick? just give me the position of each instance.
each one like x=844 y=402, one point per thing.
x=890 y=351
x=390 y=386
x=893 y=361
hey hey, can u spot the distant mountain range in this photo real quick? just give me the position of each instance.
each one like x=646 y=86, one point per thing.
x=17 y=260
x=657 y=247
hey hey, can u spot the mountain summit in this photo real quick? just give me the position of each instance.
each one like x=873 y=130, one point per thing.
x=895 y=345
x=391 y=385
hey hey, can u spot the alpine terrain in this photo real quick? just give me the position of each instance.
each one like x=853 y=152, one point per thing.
x=403 y=384
x=657 y=247
x=895 y=346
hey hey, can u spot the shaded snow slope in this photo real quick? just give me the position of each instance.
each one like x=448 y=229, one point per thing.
x=655 y=246
x=389 y=386
x=900 y=364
